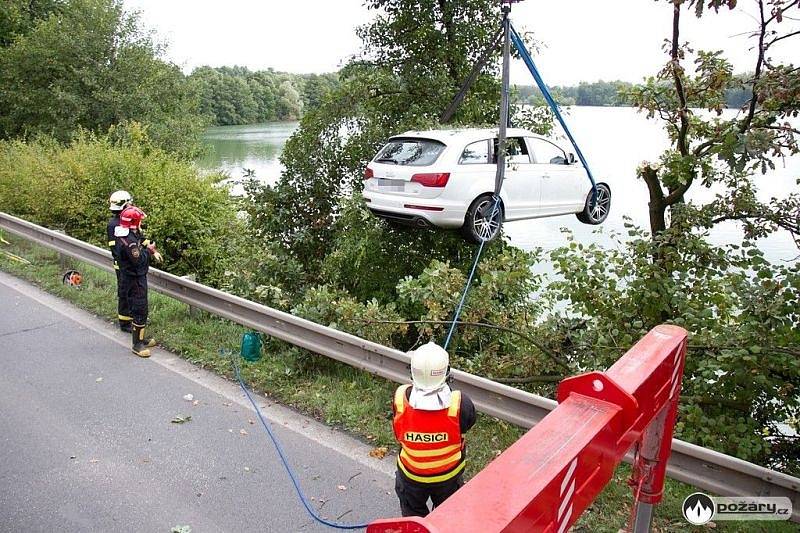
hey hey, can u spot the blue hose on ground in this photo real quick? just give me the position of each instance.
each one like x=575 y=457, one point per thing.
x=282 y=455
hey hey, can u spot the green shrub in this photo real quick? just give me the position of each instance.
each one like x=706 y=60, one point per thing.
x=191 y=217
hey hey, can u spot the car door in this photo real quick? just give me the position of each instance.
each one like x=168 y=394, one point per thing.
x=522 y=184
x=563 y=185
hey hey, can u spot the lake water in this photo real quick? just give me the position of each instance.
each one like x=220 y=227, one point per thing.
x=256 y=147
x=614 y=140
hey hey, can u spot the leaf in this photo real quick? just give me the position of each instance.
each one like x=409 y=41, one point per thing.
x=379 y=453
x=181 y=419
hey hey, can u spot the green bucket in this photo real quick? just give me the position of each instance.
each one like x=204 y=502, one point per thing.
x=251 y=346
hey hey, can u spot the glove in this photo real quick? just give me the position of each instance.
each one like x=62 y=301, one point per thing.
x=157 y=257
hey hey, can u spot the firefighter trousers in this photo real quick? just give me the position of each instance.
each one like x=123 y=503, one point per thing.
x=134 y=289
x=123 y=309
x=414 y=496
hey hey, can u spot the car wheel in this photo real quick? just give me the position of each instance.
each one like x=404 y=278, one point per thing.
x=483 y=222
x=596 y=213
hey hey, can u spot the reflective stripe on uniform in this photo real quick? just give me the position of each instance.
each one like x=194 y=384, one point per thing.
x=124 y=317
x=431 y=479
x=112 y=243
x=455 y=404
x=399 y=398
x=431 y=453
x=428 y=465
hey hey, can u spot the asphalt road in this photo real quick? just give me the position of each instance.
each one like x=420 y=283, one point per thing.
x=87 y=442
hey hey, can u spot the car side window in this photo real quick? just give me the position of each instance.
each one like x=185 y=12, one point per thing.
x=516 y=151
x=476 y=153
x=545 y=152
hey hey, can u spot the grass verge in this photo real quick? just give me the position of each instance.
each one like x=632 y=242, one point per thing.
x=332 y=392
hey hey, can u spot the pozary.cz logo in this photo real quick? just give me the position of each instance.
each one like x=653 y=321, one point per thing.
x=699 y=508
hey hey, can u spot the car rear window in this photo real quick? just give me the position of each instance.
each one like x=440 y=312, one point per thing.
x=410 y=152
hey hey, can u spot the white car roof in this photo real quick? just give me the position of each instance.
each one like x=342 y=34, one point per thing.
x=465 y=135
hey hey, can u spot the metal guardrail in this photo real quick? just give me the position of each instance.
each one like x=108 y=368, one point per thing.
x=703 y=468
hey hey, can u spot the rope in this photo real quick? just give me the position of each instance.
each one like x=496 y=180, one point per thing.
x=528 y=60
x=282 y=455
x=469 y=279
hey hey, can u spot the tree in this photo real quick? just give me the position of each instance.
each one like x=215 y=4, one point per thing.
x=289 y=106
x=316 y=88
x=742 y=370
x=91 y=66
x=415 y=56
x=742 y=144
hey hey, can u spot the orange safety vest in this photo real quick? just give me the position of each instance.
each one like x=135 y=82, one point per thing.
x=431 y=444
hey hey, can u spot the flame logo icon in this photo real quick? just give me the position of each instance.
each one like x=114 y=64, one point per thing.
x=698 y=508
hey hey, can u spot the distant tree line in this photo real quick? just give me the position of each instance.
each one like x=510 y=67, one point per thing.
x=237 y=95
x=614 y=93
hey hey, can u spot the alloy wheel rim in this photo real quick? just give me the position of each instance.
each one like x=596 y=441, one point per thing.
x=600 y=209
x=485 y=227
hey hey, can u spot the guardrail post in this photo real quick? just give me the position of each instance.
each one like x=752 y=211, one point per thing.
x=194 y=312
x=64 y=262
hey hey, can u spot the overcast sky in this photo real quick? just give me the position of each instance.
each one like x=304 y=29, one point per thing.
x=582 y=39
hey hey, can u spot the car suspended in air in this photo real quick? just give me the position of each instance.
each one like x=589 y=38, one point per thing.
x=446 y=179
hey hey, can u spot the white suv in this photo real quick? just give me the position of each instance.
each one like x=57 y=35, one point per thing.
x=445 y=178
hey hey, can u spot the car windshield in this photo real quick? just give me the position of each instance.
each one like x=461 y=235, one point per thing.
x=411 y=152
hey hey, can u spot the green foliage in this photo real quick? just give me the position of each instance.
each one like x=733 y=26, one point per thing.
x=742 y=370
x=500 y=296
x=236 y=95
x=362 y=243
x=18 y=17
x=191 y=218
x=339 y=310
x=90 y=66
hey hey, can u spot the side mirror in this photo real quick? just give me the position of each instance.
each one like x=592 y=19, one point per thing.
x=570 y=158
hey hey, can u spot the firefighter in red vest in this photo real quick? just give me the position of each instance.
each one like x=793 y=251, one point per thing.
x=430 y=421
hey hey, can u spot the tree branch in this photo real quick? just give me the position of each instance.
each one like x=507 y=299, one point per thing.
x=549 y=353
x=759 y=64
x=676 y=76
x=782 y=37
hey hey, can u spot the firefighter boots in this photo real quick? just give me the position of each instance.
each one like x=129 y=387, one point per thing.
x=140 y=344
x=125 y=325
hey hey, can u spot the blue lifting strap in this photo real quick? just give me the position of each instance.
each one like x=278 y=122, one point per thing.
x=526 y=57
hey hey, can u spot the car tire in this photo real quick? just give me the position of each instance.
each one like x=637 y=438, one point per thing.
x=477 y=226
x=597 y=213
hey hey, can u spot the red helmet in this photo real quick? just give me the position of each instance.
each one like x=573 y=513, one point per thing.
x=131 y=217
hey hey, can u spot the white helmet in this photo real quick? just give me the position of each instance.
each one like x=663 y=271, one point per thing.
x=430 y=366
x=119 y=200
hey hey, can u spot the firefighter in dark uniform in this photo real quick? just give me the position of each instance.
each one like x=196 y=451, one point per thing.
x=430 y=421
x=118 y=201
x=134 y=253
